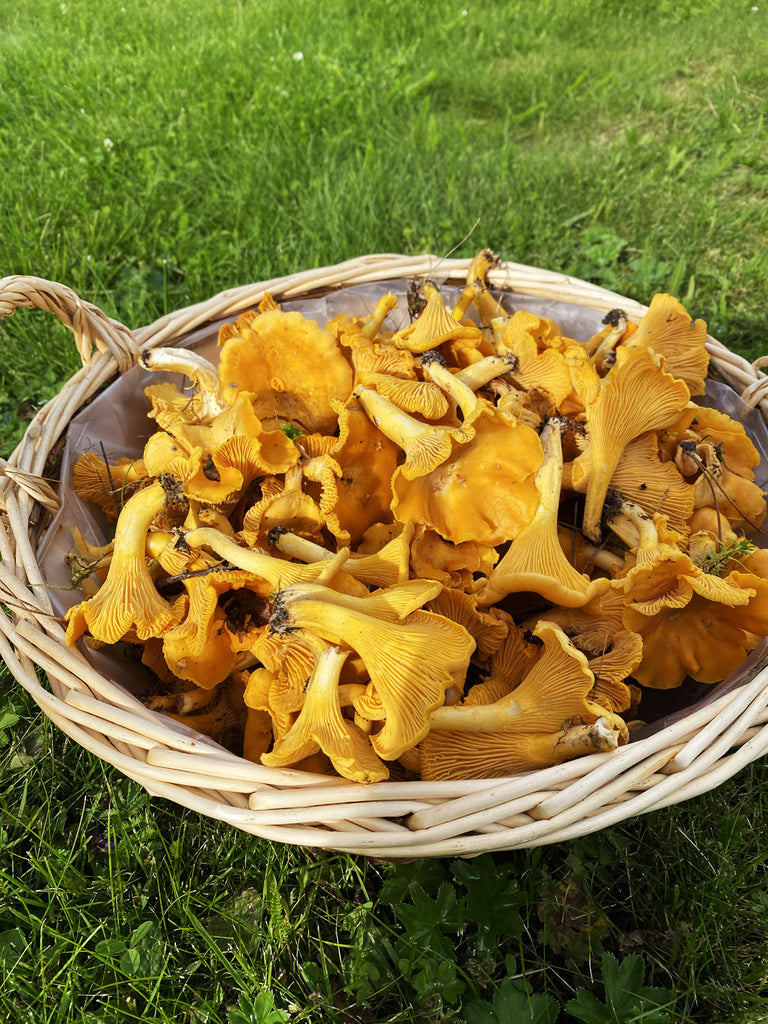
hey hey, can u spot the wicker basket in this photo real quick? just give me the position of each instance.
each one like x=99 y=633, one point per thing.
x=692 y=753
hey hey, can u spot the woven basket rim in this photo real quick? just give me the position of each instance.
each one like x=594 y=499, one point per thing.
x=391 y=820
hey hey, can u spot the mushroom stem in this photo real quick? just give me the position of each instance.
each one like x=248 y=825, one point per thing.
x=200 y=371
x=580 y=740
x=384 y=306
x=277 y=571
x=482 y=372
x=463 y=395
x=633 y=526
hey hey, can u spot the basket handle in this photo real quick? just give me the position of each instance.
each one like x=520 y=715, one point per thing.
x=92 y=328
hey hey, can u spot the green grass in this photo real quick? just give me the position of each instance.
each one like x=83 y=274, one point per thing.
x=152 y=155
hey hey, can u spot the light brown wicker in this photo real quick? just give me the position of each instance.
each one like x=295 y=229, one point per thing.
x=696 y=752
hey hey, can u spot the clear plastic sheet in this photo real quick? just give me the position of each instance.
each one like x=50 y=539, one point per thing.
x=115 y=424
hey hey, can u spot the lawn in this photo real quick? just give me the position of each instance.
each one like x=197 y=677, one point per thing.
x=152 y=155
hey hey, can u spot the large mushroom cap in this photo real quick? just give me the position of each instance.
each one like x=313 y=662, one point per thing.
x=292 y=366
x=668 y=329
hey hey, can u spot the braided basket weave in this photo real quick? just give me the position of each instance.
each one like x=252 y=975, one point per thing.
x=695 y=752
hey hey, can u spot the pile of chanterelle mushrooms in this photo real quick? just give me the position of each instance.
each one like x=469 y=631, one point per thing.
x=448 y=551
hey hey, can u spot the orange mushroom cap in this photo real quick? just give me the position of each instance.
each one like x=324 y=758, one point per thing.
x=291 y=366
x=483 y=492
x=669 y=330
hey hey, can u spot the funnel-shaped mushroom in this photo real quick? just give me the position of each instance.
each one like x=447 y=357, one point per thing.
x=291 y=366
x=483 y=371
x=383 y=358
x=636 y=396
x=200 y=647
x=290 y=662
x=477 y=291
x=258 y=695
x=664 y=576
x=320 y=725
x=367 y=459
x=411 y=662
x=535 y=560
x=539 y=366
x=554 y=691
x=462 y=396
x=426 y=445
x=434 y=326
x=601 y=346
x=284 y=504
x=612 y=664
x=489 y=631
x=209 y=662
x=641 y=477
x=595 y=623
x=358 y=333
x=390 y=604
x=128 y=598
x=507 y=667
x=466 y=755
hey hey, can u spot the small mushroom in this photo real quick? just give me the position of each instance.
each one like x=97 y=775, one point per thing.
x=434 y=326
x=543 y=369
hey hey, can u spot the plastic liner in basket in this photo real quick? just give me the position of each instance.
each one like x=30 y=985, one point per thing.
x=685 y=754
